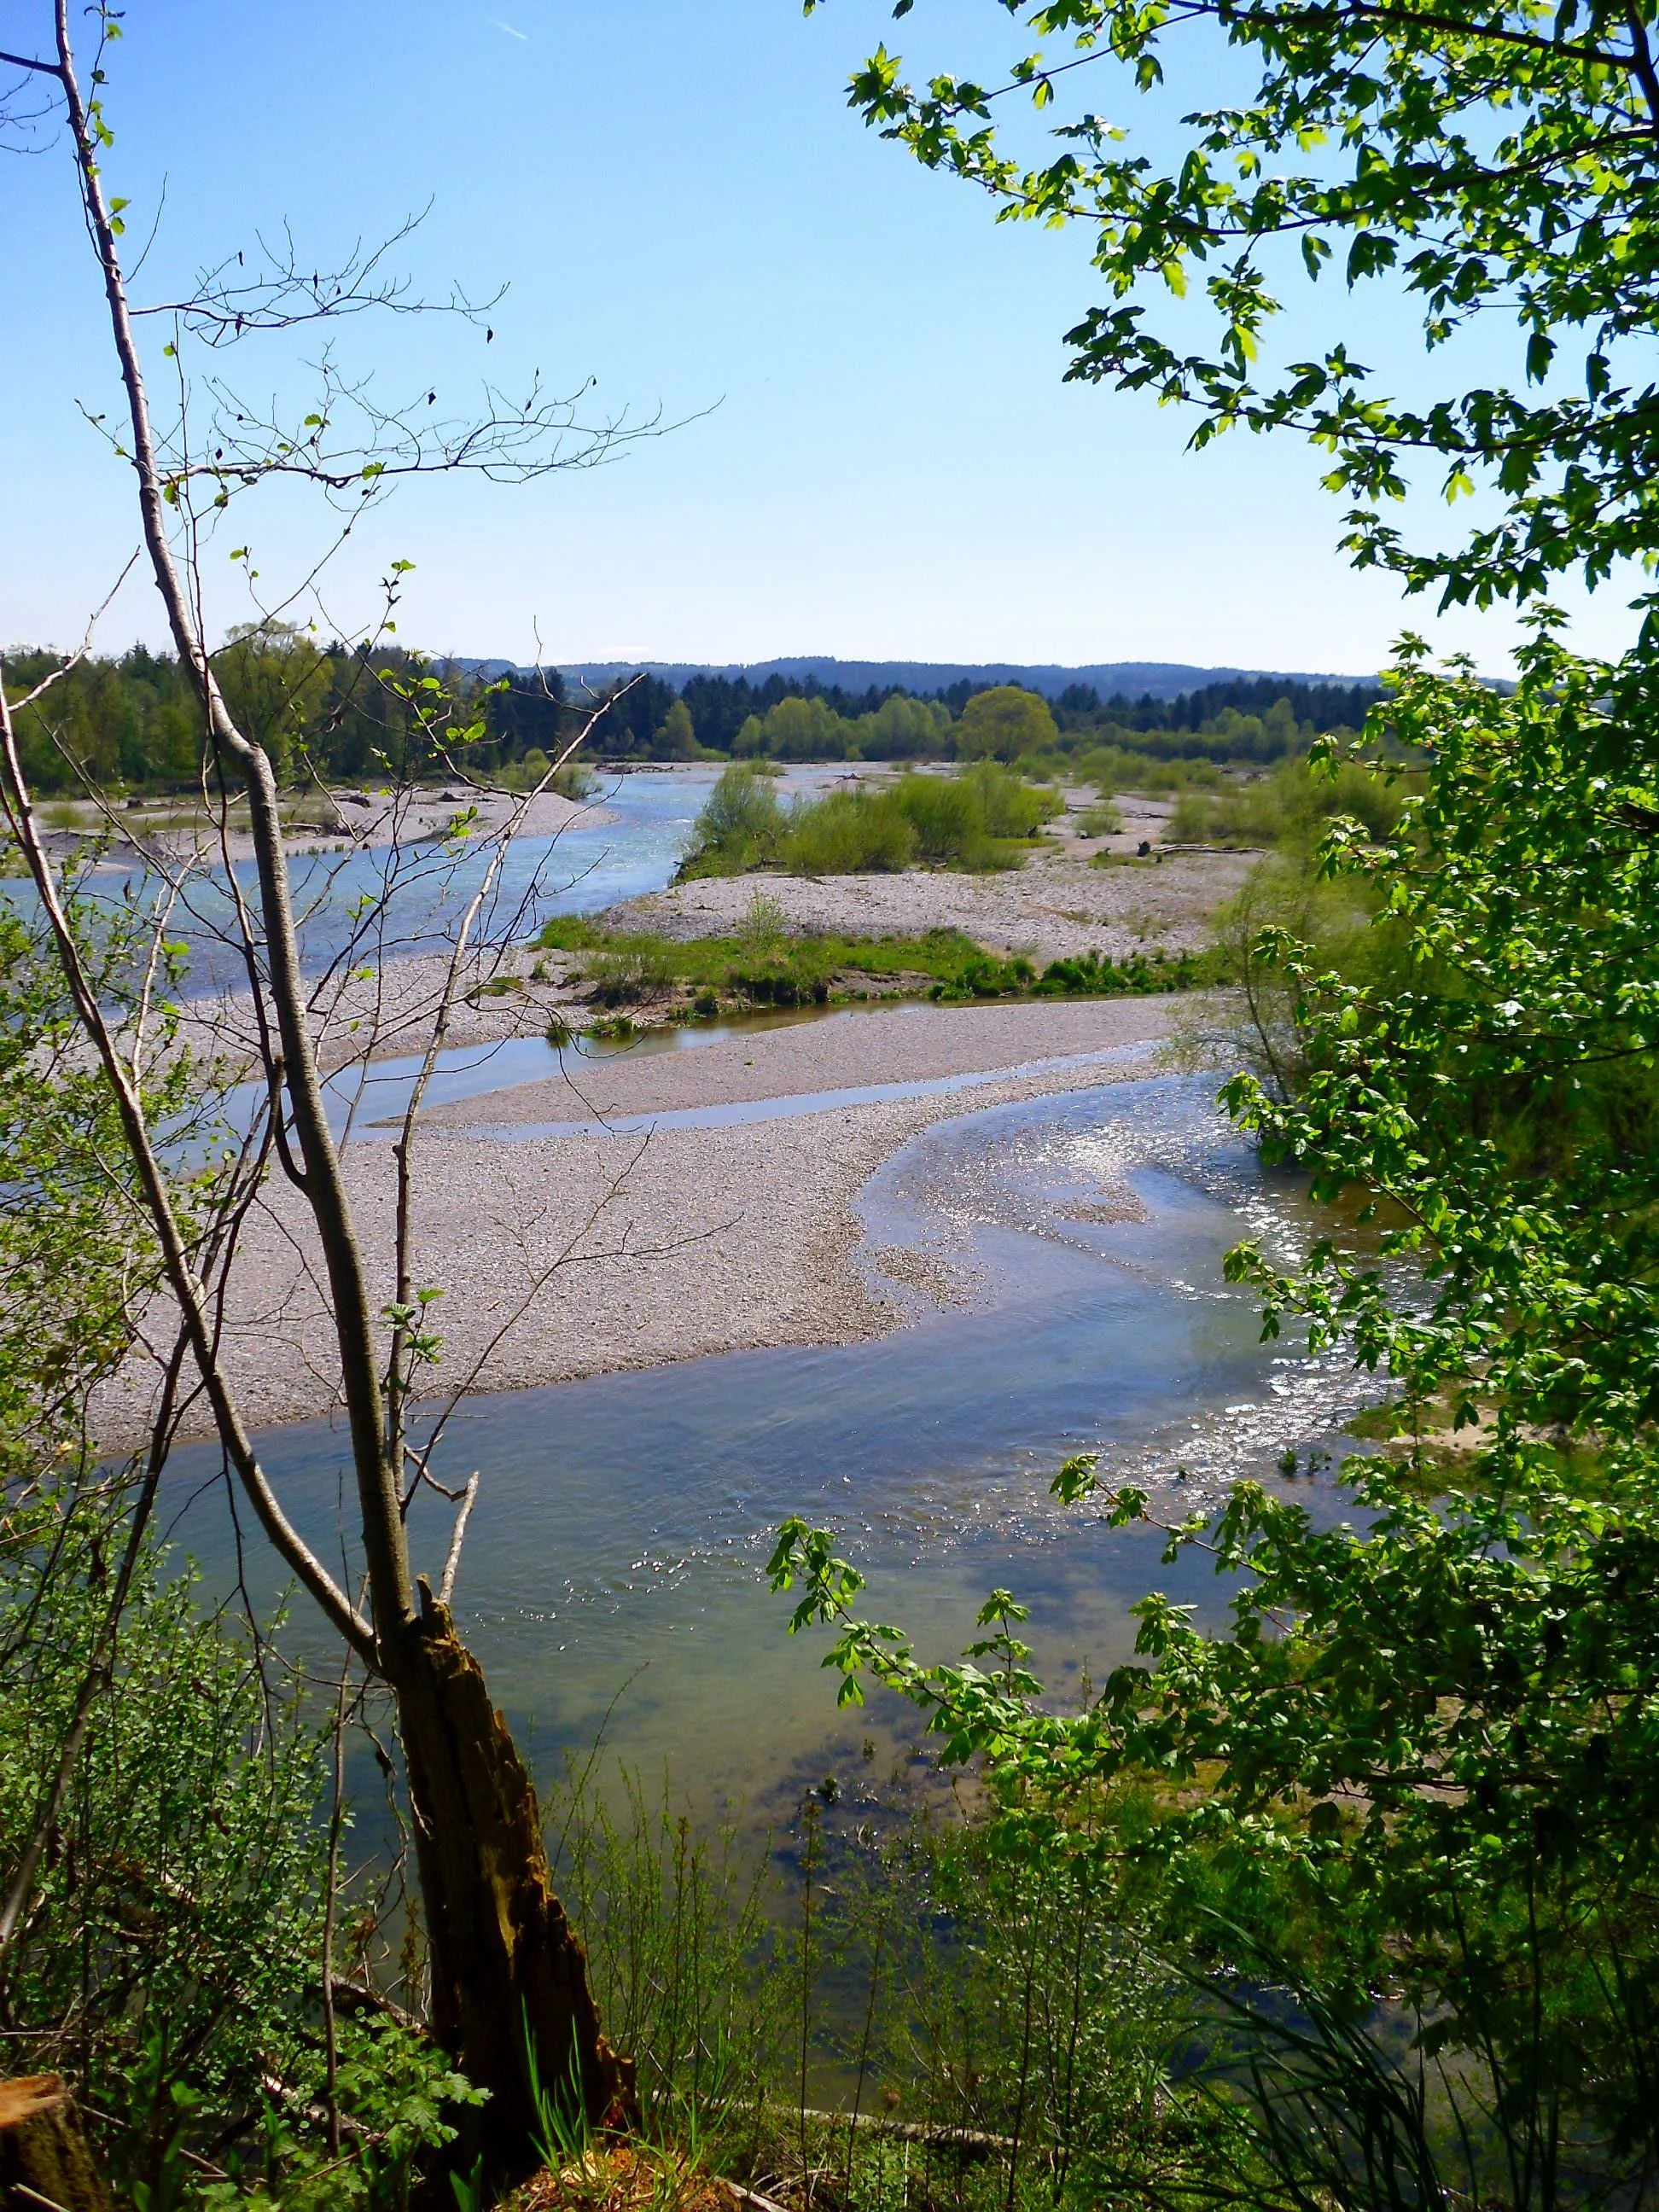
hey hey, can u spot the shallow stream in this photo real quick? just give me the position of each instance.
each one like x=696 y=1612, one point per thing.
x=628 y=843
x=614 y=1563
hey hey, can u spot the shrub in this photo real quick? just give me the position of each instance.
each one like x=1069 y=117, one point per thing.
x=1292 y=808
x=740 y=827
x=1117 y=768
x=571 y=781
x=944 y=813
x=632 y=970
x=171 y=1953
x=1009 y=806
x=848 y=833
x=680 y=1941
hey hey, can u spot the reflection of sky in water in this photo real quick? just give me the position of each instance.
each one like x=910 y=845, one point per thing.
x=423 y=889
x=624 y=1521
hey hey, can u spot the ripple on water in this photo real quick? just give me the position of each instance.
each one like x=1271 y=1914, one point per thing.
x=624 y=1521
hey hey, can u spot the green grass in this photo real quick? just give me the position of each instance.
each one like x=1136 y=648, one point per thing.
x=1290 y=809
x=765 y=967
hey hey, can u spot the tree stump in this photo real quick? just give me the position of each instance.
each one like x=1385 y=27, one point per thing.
x=45 y=2165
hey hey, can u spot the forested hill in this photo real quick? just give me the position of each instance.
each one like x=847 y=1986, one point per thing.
x=132 y=722
x=1162 y=680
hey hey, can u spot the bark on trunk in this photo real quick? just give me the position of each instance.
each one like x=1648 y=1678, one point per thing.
x=44 y=2157
x=504 y=1959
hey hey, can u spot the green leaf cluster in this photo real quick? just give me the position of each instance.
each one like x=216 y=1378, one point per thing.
x=1415 y=1781
x=1481 y=162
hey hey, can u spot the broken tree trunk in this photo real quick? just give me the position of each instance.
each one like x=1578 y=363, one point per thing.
x=44 y=2159
x=507 y=1970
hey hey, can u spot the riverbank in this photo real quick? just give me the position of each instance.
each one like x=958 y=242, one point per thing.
x=172 y=832
x=562 y=1256
x=1058 y=905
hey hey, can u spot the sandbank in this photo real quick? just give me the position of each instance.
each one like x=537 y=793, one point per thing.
x=342 y=819
x=1058 y=905
x=566 y=1256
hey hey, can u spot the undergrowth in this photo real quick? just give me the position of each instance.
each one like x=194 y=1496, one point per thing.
x=767 y=966
x=979 y=818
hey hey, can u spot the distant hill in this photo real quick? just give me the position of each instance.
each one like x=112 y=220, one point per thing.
x=1132 y=679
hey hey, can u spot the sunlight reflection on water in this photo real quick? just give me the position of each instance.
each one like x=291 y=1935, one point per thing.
x=624 y=1521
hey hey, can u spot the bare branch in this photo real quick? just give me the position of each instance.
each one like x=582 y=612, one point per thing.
x=453 y=1563
x=82 y=650
x=232 y=301
x=181 y=1275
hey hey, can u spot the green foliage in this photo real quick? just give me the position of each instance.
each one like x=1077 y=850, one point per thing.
x=1292 y=808
x=74 y=1257
x=1116 y=767
x=169 y=1955
x=399 y=2098
x=768 y=966
x=275 y=681
x=1426 y=1747
x=903 y=729
x=1087 y=974
x=1481 y=162
x=849 y=832
x=1023 y=2011
x=741 y=825
x=137 y=721
x=678 y=737
x=810 y=729
x=1003 y=723
x=978 y=819
x=681 y=1947
x=530 y=773
x=344 y=714
x=1413 y=1787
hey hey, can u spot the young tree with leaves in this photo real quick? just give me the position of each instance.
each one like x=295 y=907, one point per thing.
x=1420 y=1770
x=508 y=1986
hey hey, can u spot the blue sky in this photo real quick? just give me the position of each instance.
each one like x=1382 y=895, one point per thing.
x=877 y=455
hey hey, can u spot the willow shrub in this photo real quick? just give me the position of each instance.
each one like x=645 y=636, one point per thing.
x=849 y=832
x=1292 y=808
x=977 y=818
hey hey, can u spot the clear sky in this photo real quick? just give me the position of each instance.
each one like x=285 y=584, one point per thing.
x=877 y=457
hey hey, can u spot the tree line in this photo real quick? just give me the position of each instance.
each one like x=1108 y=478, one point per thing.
x=133 y=722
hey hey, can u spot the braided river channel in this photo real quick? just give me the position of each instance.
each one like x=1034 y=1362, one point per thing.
x=1063 y=1257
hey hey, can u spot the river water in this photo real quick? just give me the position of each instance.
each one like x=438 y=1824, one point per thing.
x=615 y=1560
x=613 y=1575
x=628 y=843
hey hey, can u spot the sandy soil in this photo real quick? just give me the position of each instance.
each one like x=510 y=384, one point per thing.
x=345 y=818
x=562 y=1257
x=1056 y=905
x=851 y=1049
x=390 y=1010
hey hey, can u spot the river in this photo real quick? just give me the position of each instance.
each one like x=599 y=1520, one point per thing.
x=615 y=1560
x=629 y=842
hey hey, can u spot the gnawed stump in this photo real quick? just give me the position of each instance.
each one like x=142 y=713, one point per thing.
x=45 y=2165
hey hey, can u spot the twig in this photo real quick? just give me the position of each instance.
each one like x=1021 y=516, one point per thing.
x=452 y=1564
x=331 y=1907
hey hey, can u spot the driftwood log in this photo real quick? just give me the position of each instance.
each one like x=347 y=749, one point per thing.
x=46 y=2164
x=933 y=2135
